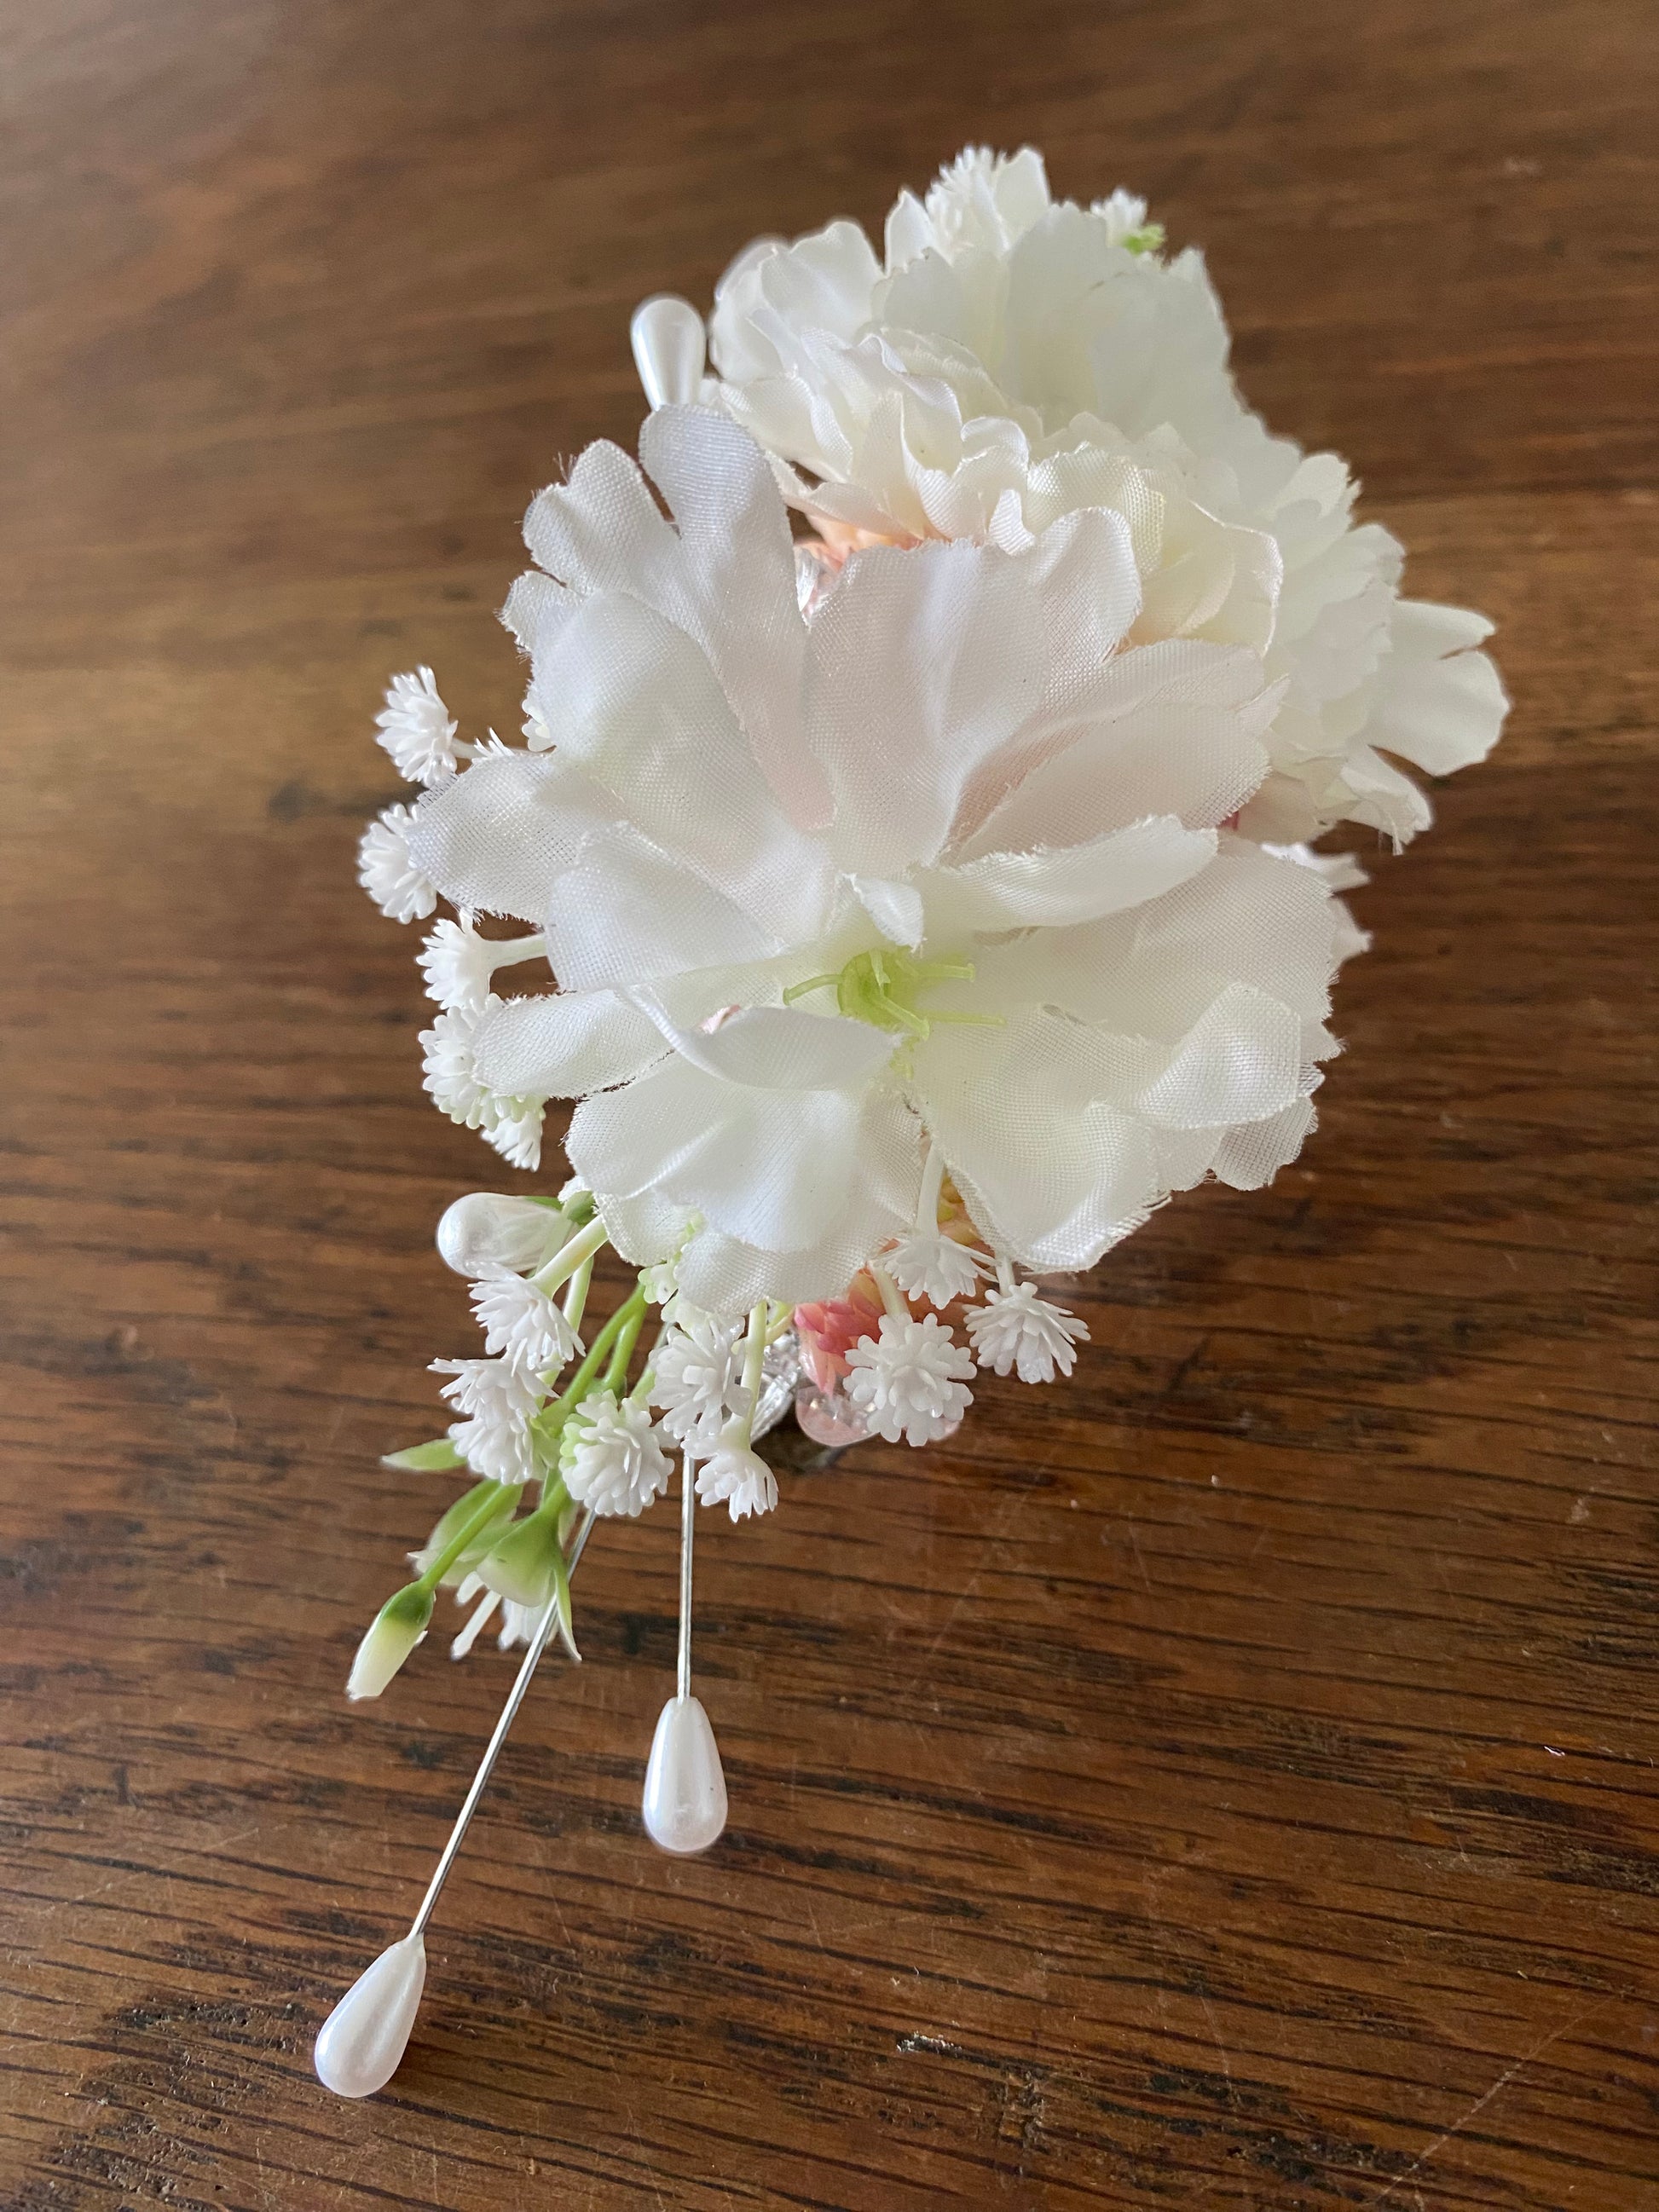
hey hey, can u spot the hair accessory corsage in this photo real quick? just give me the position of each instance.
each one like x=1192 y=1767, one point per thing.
x=905 y=873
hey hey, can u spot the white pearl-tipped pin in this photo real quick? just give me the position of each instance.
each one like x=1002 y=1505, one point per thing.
x=670 y=349
x=684 y=1807
x=360 y=2045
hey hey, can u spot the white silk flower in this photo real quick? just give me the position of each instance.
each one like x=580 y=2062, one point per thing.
x=945 y=863
x=1008 y=359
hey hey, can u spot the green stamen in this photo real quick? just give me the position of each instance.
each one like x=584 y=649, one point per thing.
x=880 y=987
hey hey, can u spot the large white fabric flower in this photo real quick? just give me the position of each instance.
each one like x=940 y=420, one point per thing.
x=945 y=857
x=1009 y=359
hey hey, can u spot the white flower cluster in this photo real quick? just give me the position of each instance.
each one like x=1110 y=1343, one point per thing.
x=1008 y=359
x=918 y=906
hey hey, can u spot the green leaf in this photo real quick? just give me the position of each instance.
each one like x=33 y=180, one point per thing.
x=461 y=1518
x=520 y=1566
x=439 y=1457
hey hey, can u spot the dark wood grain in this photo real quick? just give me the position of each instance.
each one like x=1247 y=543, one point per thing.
x=1229 y=1781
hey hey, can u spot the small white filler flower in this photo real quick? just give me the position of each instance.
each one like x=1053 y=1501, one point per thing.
x=928 y=1264
x=458 y=965
x=415 y=728
x=497 y=1400
x=1015 y=1330
x=512 y=1124
x=387 y=871
x=737 y=1477
x=698 y=1370
x=910 y=1383
x=610 y=1456
x=932 y=1265
x=521 y=1324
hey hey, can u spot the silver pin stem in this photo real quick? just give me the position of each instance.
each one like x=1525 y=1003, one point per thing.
x=688 y=1527
x=538 y=1643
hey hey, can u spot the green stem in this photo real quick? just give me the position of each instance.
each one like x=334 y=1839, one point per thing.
x=780 y=1318
x=552 y=1418
x=575 y=1299
x=754 y=1355
x=471 y=1528
x=568 y=1257
x=813 y=983
x=627 y=1337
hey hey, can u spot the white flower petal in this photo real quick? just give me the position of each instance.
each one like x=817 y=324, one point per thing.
x=771 y=1168
x=894 y=907
x=783 y=1048
x=950 y=627
x=1054 y=889
x=1249 y=1156
x=1240 y=1062
x=565 y=1045
x=1172 y=729
x=1054 y=1171
x=625 y=911
x=1440 y=710
x=496 y=839
x=601 y=531
x=635 y=703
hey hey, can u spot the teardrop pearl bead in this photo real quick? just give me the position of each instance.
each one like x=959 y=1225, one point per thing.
x=360 y=2045
x=685 y=1806
x=670 y=349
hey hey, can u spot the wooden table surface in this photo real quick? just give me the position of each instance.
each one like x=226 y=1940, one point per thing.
x=1227 y=1781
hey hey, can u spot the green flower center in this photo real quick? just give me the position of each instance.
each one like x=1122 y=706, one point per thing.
x=881 y=987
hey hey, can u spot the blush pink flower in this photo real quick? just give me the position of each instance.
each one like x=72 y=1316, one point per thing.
x=827 y=1331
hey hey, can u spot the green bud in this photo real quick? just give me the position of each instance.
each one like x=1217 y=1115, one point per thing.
x=398 y=1627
